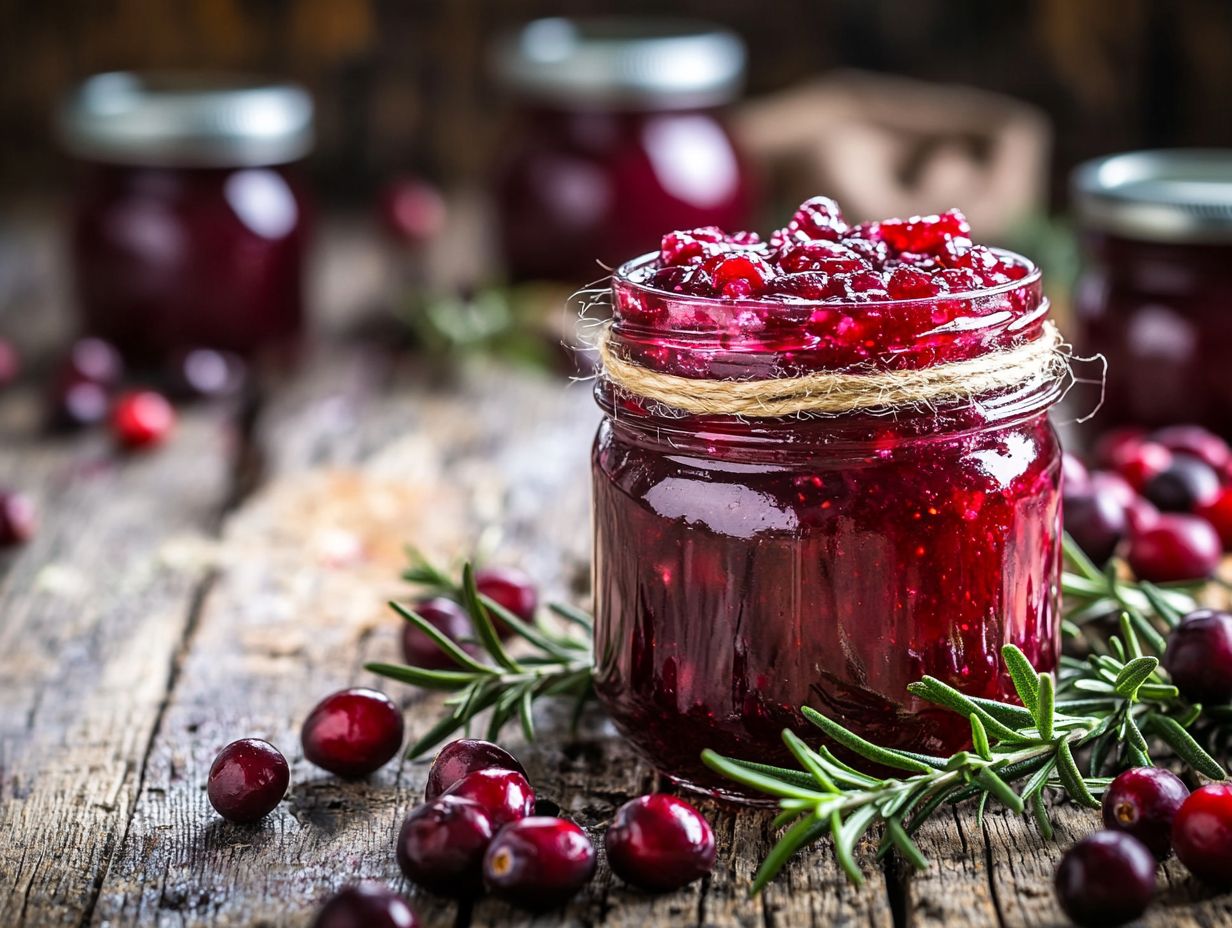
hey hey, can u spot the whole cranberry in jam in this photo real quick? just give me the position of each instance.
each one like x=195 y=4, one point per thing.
x=247 y=780
x=446 y=616
x=442 y=843
x=1196 y=441
x=1176 y=547
x=1096 y=521
x=1199 y=657
x=1186 y=484
x=465 y=756
x=539 y=862
x=18 y=518
x=353 y=732
x=142 y=419
x=504 y=794
x=510 y=588
x=1107 y=878
x=1202 y=834
x=1142 y=802
x=659 y=843
x=366 y=905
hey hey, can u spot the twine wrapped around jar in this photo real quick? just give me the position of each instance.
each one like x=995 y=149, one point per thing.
x=1040 y=360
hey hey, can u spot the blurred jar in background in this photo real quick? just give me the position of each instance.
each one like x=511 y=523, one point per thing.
x=1155 y=296
x=189 y=224
x=617 y=138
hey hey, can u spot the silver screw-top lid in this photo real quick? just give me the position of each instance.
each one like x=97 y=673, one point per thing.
x=1179 y=195
x=186 y=119
x=623 y=62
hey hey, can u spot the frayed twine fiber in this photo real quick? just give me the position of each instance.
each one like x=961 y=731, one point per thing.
x=1043 y=359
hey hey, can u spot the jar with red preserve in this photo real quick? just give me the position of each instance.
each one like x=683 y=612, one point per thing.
x=769 y=537
x=189 y=223
x=617 y=135
x=1154 y=294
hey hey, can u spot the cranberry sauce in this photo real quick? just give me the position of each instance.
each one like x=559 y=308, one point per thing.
x=747 y=567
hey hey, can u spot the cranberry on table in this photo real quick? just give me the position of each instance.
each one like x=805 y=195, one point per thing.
x=1096 y=521
x=1219 y=513
x=1114 y=444
x=1202 y=834
x=1107 y=878
x=465 y=756
x=1139 y=462
x=142 y=419
x=539 y=862
x=1186 y=484
x=442 y=843
x=247 y=780
x=1196 y=441
x=366 y=905
x=510 y=588
x=1176 y=547
x=1198 y=657
x=1074 y=474
x=659 y=843
x=1142 y=802
x=504 y=794
x=446 y=616
x=353 y=732
x=18 y=518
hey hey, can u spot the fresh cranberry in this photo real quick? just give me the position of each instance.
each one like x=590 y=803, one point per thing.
x=203 y=373
x=1202 y=834
x=142 y=419
x=1096 y=521
x=446 y=616
x=504 y=794
x=909 y=284
x=10 y=363
x=1218 y=512
x=1176 y=547
x=366 y=905
x=1107 y=878
x=510 y=588
x=1199 y=657
x=1074 y=474
x=819 y=218
x=353 y=732
x=465 y=756
x=412 y=211
x=927 y=234
x=1110 y=483
x=442 y=843
x=1142 y=802
x=247 y=780
x=1141 y=515
x=18 y=519
x=1186 y=484
x=539 y=862
x=1139 y=461
x=94 y=360
x=1197 y=442
x=659 y=843
x=77 y=404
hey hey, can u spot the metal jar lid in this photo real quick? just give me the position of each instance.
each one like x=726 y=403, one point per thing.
x=1179 y=195
x=186 y=119
x=641 y=63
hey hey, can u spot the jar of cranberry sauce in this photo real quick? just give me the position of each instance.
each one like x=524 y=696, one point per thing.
x=617 y=135
x=746 y=566
x=189 y=224
x=1155 y=297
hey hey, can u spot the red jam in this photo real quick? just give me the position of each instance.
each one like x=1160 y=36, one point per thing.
x=747 y=567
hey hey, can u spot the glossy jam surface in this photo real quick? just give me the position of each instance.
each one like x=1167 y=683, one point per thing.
x=747 y=568
x=1159 y=313
x=576 y=187
x=171 y=259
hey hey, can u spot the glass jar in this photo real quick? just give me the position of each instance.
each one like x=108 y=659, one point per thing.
x=1155 y=296
x=747 y=567
x=617 y=136
x=189 y=223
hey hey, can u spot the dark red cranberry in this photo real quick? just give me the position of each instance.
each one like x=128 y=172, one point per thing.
x=740 y=276
x=1202 y=834
x=142 y=419
x=353 y=732
x=659 y=843
x=511 y=588
x=1113 y=445
x=1199 y=657
x=18 y=519
x=1107 y=878
x=247 y=780
x=819 y=218
x=446 y=616
x=830 y=257
x=691 y=246
x=366 y=905
x=94 y=360
x=539 y=862
x=1074 y=474
x=1114 y=485
x=910 y=284
x=465 y=756
x=1141 y=515
x=442 y=843
x=1219 y=513
x=204 y=373
x=1186 y=484
x=807 y=285
x=413 y=212
x=1176 y=547
x=1096 y=521
x=864 y=286
x=77 y=404
x=505 y=795
x=1139 y=461
x=1143 y=802
x=1197 y=442
x=10 y=363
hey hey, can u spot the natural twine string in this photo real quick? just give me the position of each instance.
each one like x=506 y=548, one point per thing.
x=1042 y=359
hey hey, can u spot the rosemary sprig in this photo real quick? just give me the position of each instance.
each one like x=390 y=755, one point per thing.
x=547 y=661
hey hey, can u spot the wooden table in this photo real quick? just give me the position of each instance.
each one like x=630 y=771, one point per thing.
x=216 y=588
